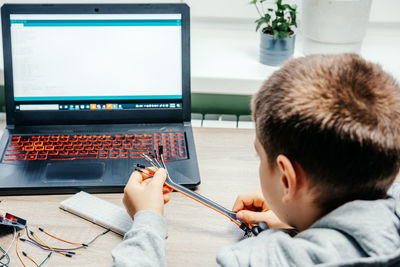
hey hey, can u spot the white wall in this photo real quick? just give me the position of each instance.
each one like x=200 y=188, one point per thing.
x=382 y=10
x=385 y=11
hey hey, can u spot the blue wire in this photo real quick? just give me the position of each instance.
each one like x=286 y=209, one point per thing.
x=44 y=248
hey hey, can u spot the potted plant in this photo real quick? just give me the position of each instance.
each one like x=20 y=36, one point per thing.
x=277 y=22
x=334 y=26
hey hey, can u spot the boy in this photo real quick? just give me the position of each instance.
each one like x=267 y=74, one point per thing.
x=327 y=134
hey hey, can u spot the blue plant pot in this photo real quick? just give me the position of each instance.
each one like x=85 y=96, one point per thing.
x=275 y=52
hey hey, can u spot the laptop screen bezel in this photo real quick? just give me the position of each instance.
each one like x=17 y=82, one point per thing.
x=65 y=117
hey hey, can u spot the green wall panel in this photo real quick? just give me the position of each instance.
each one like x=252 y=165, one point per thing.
x=221 y=104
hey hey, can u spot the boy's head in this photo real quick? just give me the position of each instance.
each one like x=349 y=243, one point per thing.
x=336 y=120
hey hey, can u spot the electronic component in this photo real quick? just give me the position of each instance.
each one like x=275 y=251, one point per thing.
x=98 y=211
x=12 y=220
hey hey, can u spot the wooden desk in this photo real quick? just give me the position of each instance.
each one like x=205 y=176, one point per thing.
x=228 y=167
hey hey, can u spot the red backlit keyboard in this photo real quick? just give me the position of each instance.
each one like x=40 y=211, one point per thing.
x=76 y=147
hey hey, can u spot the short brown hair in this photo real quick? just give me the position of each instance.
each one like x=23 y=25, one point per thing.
x=338 y=116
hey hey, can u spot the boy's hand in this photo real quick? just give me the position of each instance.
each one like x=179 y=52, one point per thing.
x=251 y=209
x=146 y=194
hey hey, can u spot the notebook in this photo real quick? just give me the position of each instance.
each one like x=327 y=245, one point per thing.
x=89 y=88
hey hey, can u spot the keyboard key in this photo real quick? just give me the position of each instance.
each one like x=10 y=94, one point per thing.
x=32 y=157
x=29 y=148
x=85 y=146
x=15 y=139
x=42 y=157
x=21 y=157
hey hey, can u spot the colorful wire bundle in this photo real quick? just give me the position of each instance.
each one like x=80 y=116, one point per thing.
x=67 y=254
x=193 y=195
x=42 y=247
x=36 y=241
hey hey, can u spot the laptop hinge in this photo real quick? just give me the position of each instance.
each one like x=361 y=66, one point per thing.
x=10 y=126
x=187 y=123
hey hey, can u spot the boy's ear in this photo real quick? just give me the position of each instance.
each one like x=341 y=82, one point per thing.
x=290 y=179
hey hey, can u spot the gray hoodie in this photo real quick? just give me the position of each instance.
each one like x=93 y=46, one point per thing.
x=358 y=233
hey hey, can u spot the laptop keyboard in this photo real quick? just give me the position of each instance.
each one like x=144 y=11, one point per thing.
x=78 y=147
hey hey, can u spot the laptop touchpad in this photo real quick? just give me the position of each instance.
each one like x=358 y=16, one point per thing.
x=75 y=170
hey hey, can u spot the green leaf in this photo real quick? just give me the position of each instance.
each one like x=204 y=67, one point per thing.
x=258 y=26
x=293 y=18
x=276 y=34
x=286 y=6
x=281 y=27
x=253 y=2
x=260 y=20
x=279 y=15
x=283 y=34
x=259 y=23
x=267 y=18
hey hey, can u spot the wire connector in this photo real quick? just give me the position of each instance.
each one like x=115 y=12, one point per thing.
x=160 y=150
x=246 y=229
x=261 y=226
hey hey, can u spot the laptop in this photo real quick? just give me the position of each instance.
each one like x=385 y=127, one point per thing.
x=89 y=89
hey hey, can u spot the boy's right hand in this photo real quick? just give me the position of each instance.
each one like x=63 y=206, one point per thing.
x=251 y=209
x=141 y=193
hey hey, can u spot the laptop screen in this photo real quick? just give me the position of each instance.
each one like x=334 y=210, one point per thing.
x=96 y=62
